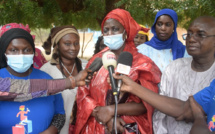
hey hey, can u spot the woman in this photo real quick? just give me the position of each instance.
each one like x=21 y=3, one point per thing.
x=141 y=37
x=39 y=115
x=39 y=59
x=99 y=46
x=91 y=100
x=164 y=47
x=64 y=62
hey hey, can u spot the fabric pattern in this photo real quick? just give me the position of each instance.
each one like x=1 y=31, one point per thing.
x=180 y=81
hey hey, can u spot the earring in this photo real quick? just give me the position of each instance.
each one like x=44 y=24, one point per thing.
x=173 y=31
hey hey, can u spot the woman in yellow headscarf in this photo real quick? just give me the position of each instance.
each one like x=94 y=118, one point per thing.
x=141 y=37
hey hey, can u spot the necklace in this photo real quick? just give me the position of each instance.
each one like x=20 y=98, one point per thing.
x=67 y=70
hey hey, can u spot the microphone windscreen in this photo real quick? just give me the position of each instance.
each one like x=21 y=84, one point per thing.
x=109 y=59
x=125 y=58
x=124 y=63
x=96 y=65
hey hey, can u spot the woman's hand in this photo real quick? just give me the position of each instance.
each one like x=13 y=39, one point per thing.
x=119 y=125
x=104 y=114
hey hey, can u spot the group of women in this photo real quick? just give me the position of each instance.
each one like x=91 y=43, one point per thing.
x=90 y=109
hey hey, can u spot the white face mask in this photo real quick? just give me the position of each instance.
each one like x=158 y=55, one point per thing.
x=20 y=63
x=114 y=42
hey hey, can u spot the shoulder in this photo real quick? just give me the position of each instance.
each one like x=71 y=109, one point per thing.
x=4 y=73
x=180 y=62
x=145 y=49
x=36 y=73
x=46 y=66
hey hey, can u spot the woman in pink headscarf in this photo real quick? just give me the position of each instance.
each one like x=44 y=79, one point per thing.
x=94 y=115
x=39 y=59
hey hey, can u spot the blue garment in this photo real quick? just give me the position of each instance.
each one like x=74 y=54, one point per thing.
x=34 y=115
x=161 y=58
x=177 y=47
x=206 y=98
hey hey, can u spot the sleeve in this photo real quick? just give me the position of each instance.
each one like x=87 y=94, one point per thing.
x=86 y=104
x=159 y=118
x=204 y=96
x=59 y=116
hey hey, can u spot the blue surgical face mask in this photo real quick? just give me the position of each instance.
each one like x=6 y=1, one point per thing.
x=20 y=63
x=114 y=42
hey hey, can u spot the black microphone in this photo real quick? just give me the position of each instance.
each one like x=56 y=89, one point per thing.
x=109 y=63
x=94 y=67
x=124 y=66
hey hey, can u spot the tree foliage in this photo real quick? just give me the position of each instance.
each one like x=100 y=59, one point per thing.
x=89 y=13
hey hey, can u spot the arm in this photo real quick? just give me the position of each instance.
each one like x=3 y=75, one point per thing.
x=131 y=109
x=170 y=106
x=10 y=88
x=200 y=125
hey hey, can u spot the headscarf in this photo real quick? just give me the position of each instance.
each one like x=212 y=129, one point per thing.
x=54 y=37
x=177 y=47
x=144 y=32
x=9 y=26
x=130 y=25
x=7 y=37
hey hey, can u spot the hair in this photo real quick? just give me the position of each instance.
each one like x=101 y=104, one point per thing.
x=97 y=45
x=147 y=39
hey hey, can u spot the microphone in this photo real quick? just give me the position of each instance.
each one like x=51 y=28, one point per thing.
x=109 y=63
x=94 y=67
x=124 y=66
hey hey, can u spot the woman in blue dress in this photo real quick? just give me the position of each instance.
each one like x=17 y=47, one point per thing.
x=40 y=115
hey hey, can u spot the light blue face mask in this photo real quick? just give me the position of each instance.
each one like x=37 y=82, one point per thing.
x=20 y=63
x=114 y=42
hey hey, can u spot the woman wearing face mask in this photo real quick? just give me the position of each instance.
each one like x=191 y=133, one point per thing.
x=64 y=63
x=39 y=58
x=40 y=115
x=164 y=47
x=94 y=115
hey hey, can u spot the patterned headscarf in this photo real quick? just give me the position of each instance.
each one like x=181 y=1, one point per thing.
x=9 y=26
x=177 y=47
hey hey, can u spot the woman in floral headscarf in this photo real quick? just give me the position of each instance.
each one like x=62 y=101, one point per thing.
x=94 y=115
x=141 y=37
